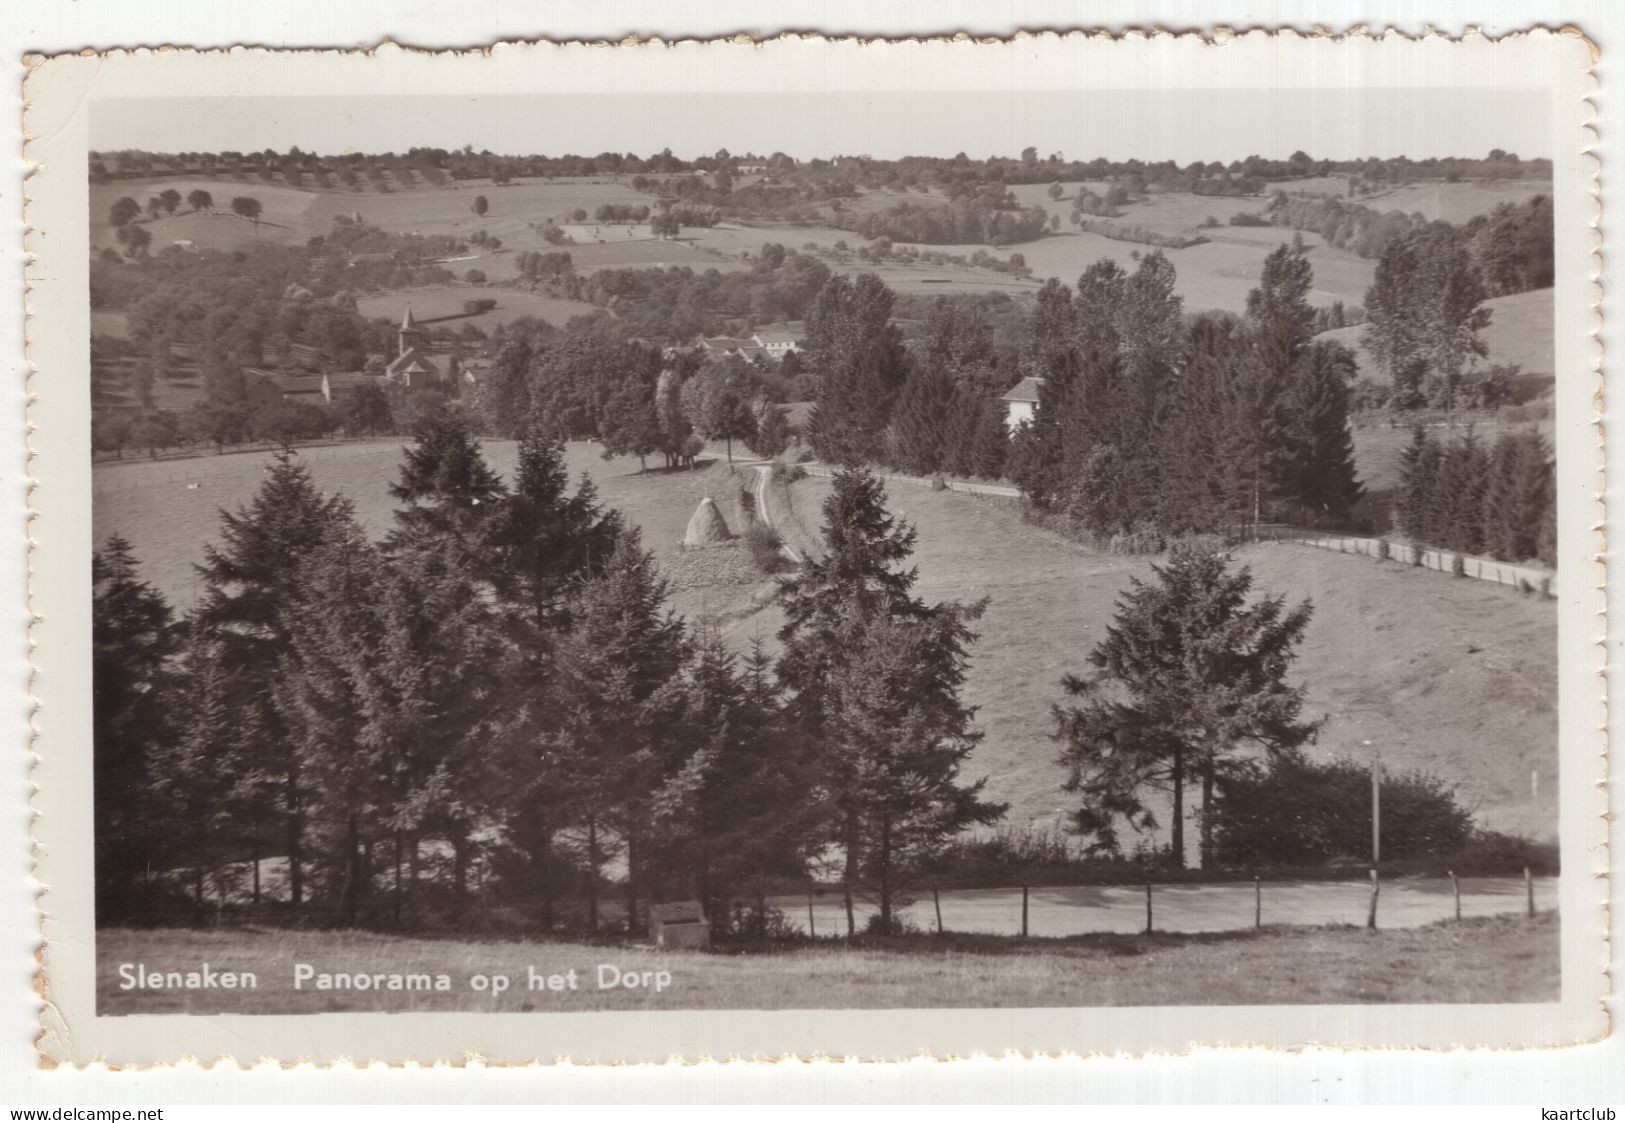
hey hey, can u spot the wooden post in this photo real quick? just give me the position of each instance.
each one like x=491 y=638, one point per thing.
x=1529 y=890
x=1148 y=923
x=1024 y=911
x=1258 y=903
x=1455 y=887
x=1376 y=812
x=812 y=926
x=936 y=899
x=1376 y=889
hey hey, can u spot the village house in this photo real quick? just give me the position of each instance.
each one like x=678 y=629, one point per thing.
x=1021 y=403
x=778 y=340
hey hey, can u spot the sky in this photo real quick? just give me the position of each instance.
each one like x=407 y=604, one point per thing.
x=1182 y=125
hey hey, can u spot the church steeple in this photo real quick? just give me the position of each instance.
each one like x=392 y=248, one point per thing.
x=409 y=332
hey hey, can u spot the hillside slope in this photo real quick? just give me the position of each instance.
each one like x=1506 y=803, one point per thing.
x=1452 y=676
x=1520 y=331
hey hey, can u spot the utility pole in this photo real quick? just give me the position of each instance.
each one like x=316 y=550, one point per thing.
x=1376 y=807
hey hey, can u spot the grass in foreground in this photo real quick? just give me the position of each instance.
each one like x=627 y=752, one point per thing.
x=1495 y=960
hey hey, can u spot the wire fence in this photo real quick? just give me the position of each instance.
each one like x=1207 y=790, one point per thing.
x=1057 y=911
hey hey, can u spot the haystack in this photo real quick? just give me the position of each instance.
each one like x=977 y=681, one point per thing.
x=707 y=527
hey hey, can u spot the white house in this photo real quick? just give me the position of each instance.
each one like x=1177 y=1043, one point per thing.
x=1021 y=403
x=778 y=342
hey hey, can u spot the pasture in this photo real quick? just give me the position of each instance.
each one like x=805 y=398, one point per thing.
x=168 y=521
x=1489 y=960
x=1455 y=677
x=442 y=306
x=1521 y=331
x=1214 y=276
x=1433 y=199
x=294 y=215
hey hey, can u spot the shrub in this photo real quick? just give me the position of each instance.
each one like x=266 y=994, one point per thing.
x=475 y=276
x=1458 y=565
x=475 y=307
x=1384 y=551
x=766 y=548
x=1300 y=812
x=788 y=473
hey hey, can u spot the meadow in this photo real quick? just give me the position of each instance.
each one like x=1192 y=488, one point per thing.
x=154 y=505
x=1456 y=677
x=1521 y=331
x=1453 y=202
x=1490 y=960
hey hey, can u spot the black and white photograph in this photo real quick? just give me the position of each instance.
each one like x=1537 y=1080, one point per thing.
x=827 y=550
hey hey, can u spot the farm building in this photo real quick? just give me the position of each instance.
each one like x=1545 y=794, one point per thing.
x=1021 y=403
x=778 y=340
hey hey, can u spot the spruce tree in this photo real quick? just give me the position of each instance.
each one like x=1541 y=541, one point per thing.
x=1321 y=473
x=450 y=494
x=1188 y=675
x=550 y=540
x=922 y=425
x=1418 y=484
x=250 y=582
x=132 y=641
x=852 y=621
x=858 y=364
x=614 y=741
x=196 y=779
x=742 y=809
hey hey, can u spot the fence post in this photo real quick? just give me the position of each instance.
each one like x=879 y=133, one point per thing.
x=812 y=927
x=1529 y=890
x=1455 y=887
x=1024 y=911
x=1376 y=889
x=1258 y=903
x=1148 y=924
x=936 y=899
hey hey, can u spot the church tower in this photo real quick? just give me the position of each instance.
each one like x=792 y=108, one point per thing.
x=409 y=332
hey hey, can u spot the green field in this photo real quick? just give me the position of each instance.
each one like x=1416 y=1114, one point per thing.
x=1457 y=677
x=1499 y=960
x=431 y=303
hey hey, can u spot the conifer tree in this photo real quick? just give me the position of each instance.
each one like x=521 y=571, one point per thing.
x=618 y=700
x=250 y=582
x=550 y=539
x=450 y=494
x=896 y=736
x=858 y=364
x=742 y=809
x=921 y=424
x=132 y=640
x=1418 y=484
x=771 y=435
x=1189 y=673
x=1197 y=493
x=1321 y=473
x=852 y=622
x=196 y=785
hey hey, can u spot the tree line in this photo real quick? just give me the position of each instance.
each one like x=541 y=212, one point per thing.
x=1148 y=421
